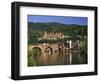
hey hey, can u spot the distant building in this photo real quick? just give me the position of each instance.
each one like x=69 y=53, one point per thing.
x=53 y=35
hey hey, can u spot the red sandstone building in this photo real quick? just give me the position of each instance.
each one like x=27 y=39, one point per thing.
x=53 y=35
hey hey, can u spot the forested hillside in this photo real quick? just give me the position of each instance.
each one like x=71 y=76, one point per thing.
x=36 y=30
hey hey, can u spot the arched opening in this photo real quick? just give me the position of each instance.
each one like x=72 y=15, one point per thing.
x=58 y=51
x=36 y=51
x=48 y=51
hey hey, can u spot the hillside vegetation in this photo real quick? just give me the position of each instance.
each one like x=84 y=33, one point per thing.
x=36 y=30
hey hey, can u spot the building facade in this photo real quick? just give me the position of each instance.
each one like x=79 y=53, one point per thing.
x=53 y=35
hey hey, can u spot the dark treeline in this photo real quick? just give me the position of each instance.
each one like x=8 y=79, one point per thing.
x=36 y=30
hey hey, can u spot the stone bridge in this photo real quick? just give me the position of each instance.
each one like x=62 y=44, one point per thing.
x=42 y=47
x=54 y=47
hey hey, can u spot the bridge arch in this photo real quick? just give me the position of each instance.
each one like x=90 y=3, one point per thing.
x=48 y=50
x=37 y=51
x=58 y=51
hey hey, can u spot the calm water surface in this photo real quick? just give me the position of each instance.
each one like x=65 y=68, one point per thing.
x=74 y=57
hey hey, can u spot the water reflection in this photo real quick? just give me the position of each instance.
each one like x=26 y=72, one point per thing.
x=58 y=58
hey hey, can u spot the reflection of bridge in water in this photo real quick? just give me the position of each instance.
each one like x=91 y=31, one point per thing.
x=56 y=47
x=56 y=54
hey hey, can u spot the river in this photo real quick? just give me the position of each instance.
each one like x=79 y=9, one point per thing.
x=65 y=58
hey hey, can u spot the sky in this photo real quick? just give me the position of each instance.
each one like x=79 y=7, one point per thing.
x=58 y=19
